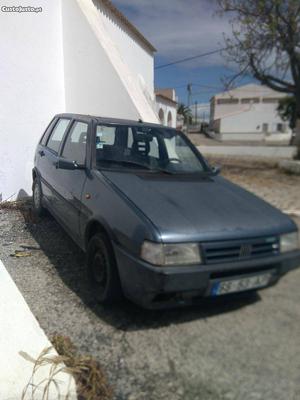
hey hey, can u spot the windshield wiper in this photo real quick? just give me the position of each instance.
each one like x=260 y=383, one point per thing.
x=145 y=166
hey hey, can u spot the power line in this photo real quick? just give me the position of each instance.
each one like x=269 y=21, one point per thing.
x=209 y=53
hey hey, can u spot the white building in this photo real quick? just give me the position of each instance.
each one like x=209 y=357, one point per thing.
x=80 y=56
x=248 y=113
x=166 y=106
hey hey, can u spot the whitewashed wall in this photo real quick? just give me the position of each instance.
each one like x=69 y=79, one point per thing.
x=128 y=78
x=92 y=85
x=31 y=87
x=249 y=124
x=243 y=120
x=251 y=120
x=164 y=108
x=139 y=59
x=65 y=58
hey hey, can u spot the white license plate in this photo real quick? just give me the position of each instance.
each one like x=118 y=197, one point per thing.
x=241 y=284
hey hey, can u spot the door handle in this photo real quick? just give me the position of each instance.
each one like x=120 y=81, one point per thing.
x=41 y=153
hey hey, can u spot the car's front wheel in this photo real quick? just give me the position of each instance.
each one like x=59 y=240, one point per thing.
x=102 y=269
x=37 y=197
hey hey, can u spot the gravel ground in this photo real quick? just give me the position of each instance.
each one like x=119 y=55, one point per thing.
x=245 y=348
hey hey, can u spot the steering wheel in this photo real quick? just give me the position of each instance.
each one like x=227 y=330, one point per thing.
x=177 y=160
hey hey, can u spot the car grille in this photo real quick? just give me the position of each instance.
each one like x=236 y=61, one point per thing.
x=238 y=250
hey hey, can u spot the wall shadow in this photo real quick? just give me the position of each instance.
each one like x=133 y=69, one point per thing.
x=69 y=262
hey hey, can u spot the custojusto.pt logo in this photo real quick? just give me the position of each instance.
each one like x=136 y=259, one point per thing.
x=21 y=9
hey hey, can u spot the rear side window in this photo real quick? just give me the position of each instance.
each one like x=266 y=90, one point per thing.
x=75 y=145
x=57 y=134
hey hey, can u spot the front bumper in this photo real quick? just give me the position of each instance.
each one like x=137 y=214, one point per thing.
x=157 y=287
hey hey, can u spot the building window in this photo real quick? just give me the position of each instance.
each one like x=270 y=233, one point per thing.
x=270 y=100
x=228 y=101
x=169 y=119
x=249 y=100
x=281 y=128
x=161 y=115
x=265 y=127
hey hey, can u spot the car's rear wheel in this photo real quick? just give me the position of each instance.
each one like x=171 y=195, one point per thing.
x=102 y=270
x=37 y=198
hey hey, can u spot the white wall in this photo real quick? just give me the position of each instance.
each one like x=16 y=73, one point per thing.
x=117 y=103
x=92 y=85
x=139 y=59
x=166 y=107
x=252 y=120
x=31 y=87
x=62 y=59
x=245 y=119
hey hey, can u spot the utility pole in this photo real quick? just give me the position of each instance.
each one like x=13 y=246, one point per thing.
x=196 y=112
x=189 y=90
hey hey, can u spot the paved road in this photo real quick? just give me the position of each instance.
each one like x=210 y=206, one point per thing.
x=242 y=349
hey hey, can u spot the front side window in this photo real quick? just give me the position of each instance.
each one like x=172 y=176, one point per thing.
x=151 y=148
x=75 y=145
x=57 y=134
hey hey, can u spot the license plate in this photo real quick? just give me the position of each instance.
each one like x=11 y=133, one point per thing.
x=241 y=284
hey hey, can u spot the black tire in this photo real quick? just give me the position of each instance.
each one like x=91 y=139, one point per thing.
x=37 y=198
x=102 y=270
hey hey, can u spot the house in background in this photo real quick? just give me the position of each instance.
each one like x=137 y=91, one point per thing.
x=248 y=113
x=166 y=106
x=79 y=56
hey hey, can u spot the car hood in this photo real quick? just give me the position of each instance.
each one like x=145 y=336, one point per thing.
x=200 y=209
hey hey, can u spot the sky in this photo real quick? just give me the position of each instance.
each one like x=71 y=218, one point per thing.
x=180 y=29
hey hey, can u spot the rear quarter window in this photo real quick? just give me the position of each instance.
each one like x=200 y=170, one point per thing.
x=57 y=134
x=47 y=132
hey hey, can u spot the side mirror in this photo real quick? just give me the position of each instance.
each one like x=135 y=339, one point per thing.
x=215 y=170
x=70 y=165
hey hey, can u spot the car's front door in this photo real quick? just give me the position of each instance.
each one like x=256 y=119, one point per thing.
x=70 y=182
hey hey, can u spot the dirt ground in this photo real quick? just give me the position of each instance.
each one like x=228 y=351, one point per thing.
x=244 y=348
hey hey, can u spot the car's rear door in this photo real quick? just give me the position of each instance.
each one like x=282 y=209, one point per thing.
x=69 y=183
x=47 y=157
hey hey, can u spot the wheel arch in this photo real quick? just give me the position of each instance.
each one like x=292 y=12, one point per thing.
x=35 y=175
x=92 y=228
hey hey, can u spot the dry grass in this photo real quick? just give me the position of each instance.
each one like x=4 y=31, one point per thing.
x=91 y=382
x=90 y=379
x=13 y=205
x=57 y=366
x=24 y=206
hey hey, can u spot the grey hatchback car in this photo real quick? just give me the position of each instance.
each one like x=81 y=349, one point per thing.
x=157 y=222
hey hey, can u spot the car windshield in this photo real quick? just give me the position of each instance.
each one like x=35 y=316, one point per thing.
x=146 y=147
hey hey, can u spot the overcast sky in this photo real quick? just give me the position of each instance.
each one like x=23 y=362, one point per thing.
x=179 y=29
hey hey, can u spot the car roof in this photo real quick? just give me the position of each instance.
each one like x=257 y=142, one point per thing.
x=105 y=120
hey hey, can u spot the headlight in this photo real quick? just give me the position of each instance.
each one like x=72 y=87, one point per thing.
x=171 y=254
x=289 y=242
